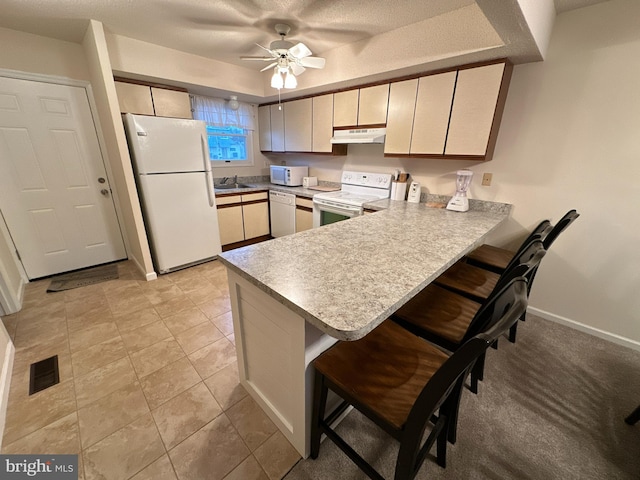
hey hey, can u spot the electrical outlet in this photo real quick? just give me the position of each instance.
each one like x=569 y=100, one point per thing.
x=486 y=179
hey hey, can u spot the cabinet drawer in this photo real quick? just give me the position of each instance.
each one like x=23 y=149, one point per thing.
x=304 y=202
x=228 y=200
x=252 y=197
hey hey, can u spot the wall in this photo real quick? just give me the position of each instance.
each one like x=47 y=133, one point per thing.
x=136 y=59
x=131 y=221
x=36 y=54
x=569 y=139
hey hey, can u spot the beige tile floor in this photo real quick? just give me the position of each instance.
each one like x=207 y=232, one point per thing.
x=148 y=381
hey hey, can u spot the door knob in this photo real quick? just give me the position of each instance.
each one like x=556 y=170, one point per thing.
x=101 y=180
x=104 y=192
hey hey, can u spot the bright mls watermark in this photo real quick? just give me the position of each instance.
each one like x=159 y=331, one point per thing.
x=50 y=467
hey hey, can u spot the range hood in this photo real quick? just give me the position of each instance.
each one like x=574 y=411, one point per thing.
x=360 y=135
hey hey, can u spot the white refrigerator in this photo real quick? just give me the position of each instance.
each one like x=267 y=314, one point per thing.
x=175 y=184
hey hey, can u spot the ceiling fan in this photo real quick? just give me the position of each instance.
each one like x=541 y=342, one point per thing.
x=287 y=59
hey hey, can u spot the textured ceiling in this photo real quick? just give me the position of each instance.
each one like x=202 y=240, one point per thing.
x=226 y=29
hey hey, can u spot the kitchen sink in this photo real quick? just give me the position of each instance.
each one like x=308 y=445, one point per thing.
x=229 y=186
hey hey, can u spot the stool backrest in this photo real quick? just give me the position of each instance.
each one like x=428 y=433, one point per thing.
x=525 y=263
x=447 y=382
x=560 y=227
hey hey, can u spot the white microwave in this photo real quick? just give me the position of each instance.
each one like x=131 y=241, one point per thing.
x=289 y=176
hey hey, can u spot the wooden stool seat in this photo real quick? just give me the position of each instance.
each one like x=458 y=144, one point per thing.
x=471 y=281
x=386 y=370
x=439 y=312
x=493 y=258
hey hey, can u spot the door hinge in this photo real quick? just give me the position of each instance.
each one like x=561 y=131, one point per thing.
x=18 y=255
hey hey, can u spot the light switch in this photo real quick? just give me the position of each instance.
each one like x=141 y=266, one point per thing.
x=486 y=179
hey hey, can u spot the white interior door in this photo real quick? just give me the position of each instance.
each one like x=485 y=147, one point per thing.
x=54 y=191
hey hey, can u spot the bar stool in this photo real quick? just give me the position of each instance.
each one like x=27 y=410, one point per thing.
x=448 y=319
x=477 y=282
x=402 y=384
x=496 y=259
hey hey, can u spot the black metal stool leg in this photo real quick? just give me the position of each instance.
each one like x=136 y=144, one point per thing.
x=634 y=417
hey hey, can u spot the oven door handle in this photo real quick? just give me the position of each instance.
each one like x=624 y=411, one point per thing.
x=348 y=210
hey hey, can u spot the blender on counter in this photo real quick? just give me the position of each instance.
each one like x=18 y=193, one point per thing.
x=459 y=202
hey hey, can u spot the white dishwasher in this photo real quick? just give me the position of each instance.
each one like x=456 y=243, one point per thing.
x=283 y=213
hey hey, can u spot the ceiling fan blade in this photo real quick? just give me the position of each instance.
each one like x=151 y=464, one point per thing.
x=296 y=69
x=269 y=66
x=312 y=62
x=263 y=59
x=299 y=50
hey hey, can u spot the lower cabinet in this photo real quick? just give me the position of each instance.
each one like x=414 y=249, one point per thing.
x=304 y=214
x=243 y=217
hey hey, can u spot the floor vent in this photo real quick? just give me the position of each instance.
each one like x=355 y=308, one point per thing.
x=44 y=374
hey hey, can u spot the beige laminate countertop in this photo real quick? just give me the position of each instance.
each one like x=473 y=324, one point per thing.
x=348 y=277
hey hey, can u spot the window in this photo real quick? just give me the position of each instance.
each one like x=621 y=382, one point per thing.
x=228 y=144
x=229 y=132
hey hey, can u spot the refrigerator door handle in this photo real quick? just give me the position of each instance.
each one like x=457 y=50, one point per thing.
x=207 y=171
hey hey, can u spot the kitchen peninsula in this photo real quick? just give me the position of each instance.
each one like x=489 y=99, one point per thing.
x=294 y=296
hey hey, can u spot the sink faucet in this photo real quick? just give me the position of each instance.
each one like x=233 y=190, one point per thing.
x=235 y=179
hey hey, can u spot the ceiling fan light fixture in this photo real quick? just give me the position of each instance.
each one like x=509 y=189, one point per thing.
x=276 y=79
x=233 y=102
x=290 y=80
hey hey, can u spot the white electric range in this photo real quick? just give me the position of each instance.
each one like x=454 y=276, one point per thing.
x=357 y=189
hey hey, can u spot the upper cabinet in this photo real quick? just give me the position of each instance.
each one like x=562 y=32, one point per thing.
x=476 y=109
x=431 y=117
x=303 y=126
x=322 y=124
x=277 y=128
x=134 y=98
x=171 y=103
x=345 y=108
x=449 y=115
x=297 y=125
x=147 y=100
x=264 y=126
x=364 y=106
x=402 y=101
x=372 y=105
x=271 y=126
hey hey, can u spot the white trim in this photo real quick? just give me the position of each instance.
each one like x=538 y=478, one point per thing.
x=5 y=380
x=102 y=145
x=39 y=77
x=10 y=300
x=611 y=337
x=148 y=276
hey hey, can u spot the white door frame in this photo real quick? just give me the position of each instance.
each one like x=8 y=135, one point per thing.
x=37 y=77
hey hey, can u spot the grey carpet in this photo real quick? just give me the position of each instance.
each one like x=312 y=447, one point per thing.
x=81 y=278
x=552 y=406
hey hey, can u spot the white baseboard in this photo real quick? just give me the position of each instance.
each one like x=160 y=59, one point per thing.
x=611 y=337
x=5 y=383
x=148 y=276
